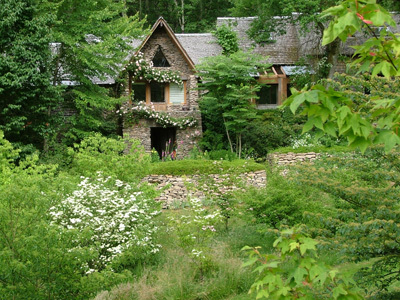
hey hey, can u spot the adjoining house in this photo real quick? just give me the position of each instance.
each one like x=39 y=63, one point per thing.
x=167 y=104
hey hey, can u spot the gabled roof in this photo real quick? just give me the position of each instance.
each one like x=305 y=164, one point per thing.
x=162 y=23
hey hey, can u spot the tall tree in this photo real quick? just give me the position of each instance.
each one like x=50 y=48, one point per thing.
x=335 y=112
x=182 y=15
x=91 y=42
x=26 y=93
x=229 y=88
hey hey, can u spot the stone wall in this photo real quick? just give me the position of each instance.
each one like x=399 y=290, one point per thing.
x=290 y=158
x=178 y=188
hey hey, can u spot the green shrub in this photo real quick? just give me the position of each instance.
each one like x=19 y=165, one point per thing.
x=36 y=261
x=365 y=225
x=221 y=155
x=122 y=159
x=275 y=129
x=282 y=202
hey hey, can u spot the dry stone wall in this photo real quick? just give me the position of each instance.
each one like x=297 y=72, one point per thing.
x=291 y=157
x=176 y=189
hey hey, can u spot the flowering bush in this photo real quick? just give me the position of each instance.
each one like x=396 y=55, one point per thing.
x=117 y=217
x=142 y=111
x=306 y=140
x=144 y=70
x=196 y=228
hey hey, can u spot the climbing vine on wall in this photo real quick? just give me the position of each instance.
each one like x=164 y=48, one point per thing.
x=141 y=69
x=133 y=113
x=227 y=39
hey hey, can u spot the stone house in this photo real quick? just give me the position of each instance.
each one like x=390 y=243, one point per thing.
x=168 y=51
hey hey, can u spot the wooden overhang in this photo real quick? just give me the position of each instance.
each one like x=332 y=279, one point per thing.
x=162 y=23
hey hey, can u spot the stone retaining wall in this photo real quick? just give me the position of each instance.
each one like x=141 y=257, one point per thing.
x=290 y=158
x=178 y=188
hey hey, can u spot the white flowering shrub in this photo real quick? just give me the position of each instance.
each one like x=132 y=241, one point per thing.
x=116 y=216
x=196 y=228
x=306 y=140
x=139 y=110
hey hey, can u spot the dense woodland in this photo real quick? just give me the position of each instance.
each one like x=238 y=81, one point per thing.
x=78 y=222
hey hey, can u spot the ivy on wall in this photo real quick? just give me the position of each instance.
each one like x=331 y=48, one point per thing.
x=227 y=39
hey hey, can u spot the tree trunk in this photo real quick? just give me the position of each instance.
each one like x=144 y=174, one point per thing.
x=332 y=51
x=228 y=136
x=240 y=145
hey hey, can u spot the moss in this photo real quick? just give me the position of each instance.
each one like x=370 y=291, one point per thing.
x=317 y=149
x=193 y=167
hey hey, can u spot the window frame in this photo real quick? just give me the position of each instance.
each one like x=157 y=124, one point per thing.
x=167 y=100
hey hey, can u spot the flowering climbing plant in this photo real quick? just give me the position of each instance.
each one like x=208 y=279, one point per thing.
x=141 y=69
x=142 y=111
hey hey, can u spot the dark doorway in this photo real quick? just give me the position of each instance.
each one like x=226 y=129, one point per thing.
x=163 y=140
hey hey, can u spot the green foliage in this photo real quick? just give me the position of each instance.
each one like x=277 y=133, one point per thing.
x=26 y=94
x=227 y=39
x=36 y=261
x=275 y=129
x=306 y=277
x=364 y=226
x=283 y=202
x=7 y=152
x=229 y=87
x=183 y=15
x=192 y=167
x=221 y=155
x=194 y=230
x=123 y=159
x=333 y=112
x=91 y=39
x=310 y=70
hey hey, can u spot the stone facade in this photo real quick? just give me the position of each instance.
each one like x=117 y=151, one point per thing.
x=163 y=38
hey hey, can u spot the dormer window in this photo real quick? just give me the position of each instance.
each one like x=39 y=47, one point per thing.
x=159 y=59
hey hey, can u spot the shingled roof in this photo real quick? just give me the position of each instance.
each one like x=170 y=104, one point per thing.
x=199 y=45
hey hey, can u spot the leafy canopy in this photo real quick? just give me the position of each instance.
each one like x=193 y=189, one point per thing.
x=230 y=85
x=334 y=112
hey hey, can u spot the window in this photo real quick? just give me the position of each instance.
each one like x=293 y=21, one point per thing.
x=138 y=91
x=268 y=95
x=161 y=94
x=159 y=59
x=157 y=91
x=176 y=93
